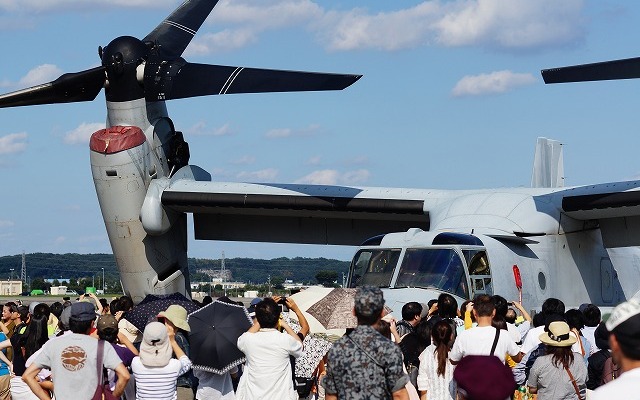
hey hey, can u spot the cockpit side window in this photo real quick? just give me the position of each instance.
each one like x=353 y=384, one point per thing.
x=373 y=267
x=438 y=268
x=479 y=272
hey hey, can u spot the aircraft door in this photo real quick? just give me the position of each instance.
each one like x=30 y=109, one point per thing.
x=479 y=272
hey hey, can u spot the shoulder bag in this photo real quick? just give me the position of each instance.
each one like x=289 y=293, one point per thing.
x=573 y=381
x=103 y=392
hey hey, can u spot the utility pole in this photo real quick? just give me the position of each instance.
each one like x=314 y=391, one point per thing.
x=103 y=285
x=23 y=271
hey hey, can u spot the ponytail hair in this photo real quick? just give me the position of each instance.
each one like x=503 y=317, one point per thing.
x=441 y=335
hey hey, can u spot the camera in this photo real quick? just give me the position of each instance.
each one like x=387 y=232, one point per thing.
x=283 y=302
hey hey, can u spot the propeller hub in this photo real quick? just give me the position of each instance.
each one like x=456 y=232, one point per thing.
x=120 y=58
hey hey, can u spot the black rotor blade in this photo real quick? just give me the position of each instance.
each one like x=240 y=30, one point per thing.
x=192 y=80
x=174 y=34
x=618 y=69
x=68 y=88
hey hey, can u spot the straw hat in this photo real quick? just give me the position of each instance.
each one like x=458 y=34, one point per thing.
x=558 y=335
x=177 y=315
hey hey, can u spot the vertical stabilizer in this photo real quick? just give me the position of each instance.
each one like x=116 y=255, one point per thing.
x=548 y=166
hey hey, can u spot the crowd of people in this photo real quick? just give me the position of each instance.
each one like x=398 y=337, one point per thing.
x=487 y=348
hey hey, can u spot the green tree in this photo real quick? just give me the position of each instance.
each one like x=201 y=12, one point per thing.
x=327 y=278
x=39 y=283
x=277 y=282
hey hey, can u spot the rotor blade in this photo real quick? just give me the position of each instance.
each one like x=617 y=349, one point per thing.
x=200 y=80
x=68 y=88
x=618 y=69
x=174 y=34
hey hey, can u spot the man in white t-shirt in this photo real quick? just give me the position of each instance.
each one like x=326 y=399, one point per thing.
x=72 y=360
x=550 y=306
x=479 y=341
x=592 y=318
x=267 y=373
x=624 y=340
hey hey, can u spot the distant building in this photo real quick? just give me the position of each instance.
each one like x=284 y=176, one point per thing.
x=224 y=285
x=60 y=280
x=10 y=288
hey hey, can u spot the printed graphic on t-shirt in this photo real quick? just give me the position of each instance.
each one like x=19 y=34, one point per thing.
x=73 y=358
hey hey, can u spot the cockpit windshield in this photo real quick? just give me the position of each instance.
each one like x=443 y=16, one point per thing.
x=374 y=267
x=433 y=268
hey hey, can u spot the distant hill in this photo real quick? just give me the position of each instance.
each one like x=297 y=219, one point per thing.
x=257 y=271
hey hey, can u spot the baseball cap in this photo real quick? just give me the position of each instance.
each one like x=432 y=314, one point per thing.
x=64 y=318
x=82 y=311
x=369 y=301
x=622 y=313
x=32 y=306
x=624 y=324
x=107 y=322
x=155 y=349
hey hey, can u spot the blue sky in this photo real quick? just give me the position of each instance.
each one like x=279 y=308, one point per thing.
x=451 y=98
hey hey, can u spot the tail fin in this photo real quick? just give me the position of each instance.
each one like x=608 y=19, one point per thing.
x=548 y=166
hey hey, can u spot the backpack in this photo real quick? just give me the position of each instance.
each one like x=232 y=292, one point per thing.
x=610 y=371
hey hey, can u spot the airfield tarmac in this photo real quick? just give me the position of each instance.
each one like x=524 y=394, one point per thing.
x=49 y=299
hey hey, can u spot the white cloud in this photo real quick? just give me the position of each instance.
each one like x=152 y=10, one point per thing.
x=56 y=5
x=59 y=240
x=39 y=75
x=315 y=160
x=244 y=160
x=82 y=133
x=334 y=177
x=492 y=83
x=279 y=133
x=226 y=40
x=356 y=177
x=358 y=160
x=6 y=223
x=201 y=129
x=321 y=177
x=13 y=143
x=249 y=19
x=394 y=30
x=268 y=174
x=513 y=24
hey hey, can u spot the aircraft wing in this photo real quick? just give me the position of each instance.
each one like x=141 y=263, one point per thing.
x=290 y=213
x=615 y=206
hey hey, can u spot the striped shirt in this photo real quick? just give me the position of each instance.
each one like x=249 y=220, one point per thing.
x=158 y=382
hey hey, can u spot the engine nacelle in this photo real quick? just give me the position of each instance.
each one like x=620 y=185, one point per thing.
x=123 y=165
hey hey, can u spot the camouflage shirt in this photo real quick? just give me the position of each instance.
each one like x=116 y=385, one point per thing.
x=354 y=375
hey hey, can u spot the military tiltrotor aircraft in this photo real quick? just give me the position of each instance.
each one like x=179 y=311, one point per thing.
x=548 y=240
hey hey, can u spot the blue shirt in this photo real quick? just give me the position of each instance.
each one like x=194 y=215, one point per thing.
x=4 y=368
